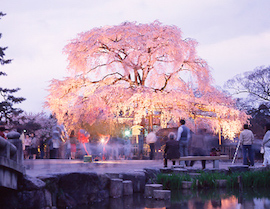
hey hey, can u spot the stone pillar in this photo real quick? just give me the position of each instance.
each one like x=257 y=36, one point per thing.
x=14 y=138
x=116 y=188
x=216 y=164
x=149 y=189
x=127 y=188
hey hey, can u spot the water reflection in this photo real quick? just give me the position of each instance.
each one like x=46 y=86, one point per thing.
x=221 y=199
x=204 y=199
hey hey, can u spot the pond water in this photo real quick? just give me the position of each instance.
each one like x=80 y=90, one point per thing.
x=203 y=199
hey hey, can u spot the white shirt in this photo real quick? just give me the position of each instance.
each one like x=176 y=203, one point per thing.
x=151 y=138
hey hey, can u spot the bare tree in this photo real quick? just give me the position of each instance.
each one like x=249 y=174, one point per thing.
x=255 y=83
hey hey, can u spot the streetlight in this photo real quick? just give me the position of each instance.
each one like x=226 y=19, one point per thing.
x=127 y=133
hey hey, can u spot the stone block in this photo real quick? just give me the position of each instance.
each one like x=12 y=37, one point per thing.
x=137 y=178
x=127 y=187
x=116 y=188
x=13 y=135
x=177 y=166
x=48 y=198
x=186 y=184
x=180 y=171
x=194 y=175
x=221 y=183
x=162 y=194
x=166 y=170
x=238 y=168
x=31 y=183
x=113 y=175
x=216 y=164
x=149 y=189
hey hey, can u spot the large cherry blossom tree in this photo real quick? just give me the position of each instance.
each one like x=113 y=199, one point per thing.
x=135 y=70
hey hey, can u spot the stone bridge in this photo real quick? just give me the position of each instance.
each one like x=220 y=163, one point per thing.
x=11 y=160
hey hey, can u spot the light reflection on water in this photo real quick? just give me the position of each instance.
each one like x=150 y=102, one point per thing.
x=204 y=199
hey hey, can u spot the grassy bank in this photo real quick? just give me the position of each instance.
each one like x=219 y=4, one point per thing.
x=249 y=179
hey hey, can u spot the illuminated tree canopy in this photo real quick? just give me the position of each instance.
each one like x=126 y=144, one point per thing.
x=134 y=70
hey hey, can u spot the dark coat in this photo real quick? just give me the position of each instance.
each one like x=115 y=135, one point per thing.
x=172 y=149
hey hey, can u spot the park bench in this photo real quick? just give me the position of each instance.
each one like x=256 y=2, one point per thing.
x=215 y=159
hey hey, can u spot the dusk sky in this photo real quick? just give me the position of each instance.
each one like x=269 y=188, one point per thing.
x=233 y=35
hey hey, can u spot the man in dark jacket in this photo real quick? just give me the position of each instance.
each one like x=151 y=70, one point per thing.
x=171 y=149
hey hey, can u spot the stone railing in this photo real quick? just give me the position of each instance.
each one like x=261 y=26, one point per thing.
x=7 y=149
x=11 y=160
x=14 y=138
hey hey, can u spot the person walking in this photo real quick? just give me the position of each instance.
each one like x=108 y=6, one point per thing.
x=183 y=136
x=198 y=146
x=246 y=140
x=266 y=145
x=171 y=150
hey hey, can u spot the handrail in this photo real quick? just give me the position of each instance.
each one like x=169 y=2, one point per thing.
x=7 y=149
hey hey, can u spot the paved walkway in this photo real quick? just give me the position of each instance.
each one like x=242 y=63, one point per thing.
x=41 y=167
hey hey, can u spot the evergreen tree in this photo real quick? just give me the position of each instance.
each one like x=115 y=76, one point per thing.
x=7 y=100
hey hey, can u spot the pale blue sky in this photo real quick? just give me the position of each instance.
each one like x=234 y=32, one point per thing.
x=233 y=36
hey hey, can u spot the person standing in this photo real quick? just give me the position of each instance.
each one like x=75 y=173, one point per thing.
x=266 y=145
x=151 y=138
x=27 y=144
x=246 y=140
x=41 y=147
x=73 y=142
x=34 y=145
x=183 y=136
x=56 y=141
x=171 y=150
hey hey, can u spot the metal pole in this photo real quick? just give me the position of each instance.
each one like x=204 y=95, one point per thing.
x=235 y=154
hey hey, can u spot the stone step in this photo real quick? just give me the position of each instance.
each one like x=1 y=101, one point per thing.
x=180 y=171
x=149 y=189
x=238 y=168
x=127 y=187
x=116 y=188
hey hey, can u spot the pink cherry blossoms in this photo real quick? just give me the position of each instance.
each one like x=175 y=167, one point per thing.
x=140 y=69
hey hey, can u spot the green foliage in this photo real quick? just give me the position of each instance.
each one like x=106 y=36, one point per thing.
x=208 y=180
x=251 y=179
x=172 y=181
x=7 y=100
x=255 y=179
